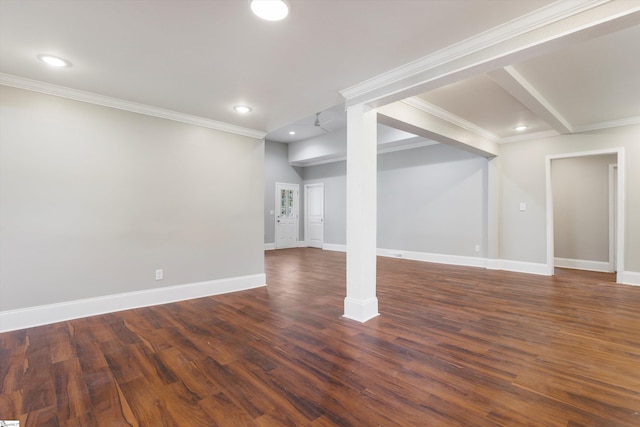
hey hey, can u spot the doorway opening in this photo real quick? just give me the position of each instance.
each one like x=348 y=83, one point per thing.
x=569 y=236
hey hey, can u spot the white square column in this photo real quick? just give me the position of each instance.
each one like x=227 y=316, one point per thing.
x=361 y=303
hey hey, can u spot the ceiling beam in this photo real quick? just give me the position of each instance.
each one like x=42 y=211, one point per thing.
x=517 y=86
x=434 y=110
x=552 y=27
x=410 y=119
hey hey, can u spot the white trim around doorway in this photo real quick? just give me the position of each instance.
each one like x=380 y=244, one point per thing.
x=620 y=207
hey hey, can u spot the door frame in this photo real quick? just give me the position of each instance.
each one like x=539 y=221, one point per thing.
x=306 y=211
x=296 y=206
x=613 y=223
x=620 y=207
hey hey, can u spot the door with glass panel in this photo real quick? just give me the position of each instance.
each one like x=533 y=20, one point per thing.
x=287 y=203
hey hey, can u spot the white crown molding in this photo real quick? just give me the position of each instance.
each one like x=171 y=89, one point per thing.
x=436 y=111
x=389 y=147
x=429 y=108
x=527 y=23
x=607 y=124
x=408 y=146
x=121 y=104
x=576 y=129
x=528 y=136
x=319 y=161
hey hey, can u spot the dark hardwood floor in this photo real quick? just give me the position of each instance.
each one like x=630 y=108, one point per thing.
x=453 y=347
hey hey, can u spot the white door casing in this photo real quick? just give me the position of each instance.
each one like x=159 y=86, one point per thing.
x=619 y=208
x=314 y=215
x=287 y=206
x=613 y=214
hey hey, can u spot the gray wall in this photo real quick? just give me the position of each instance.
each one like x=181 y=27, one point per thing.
x=408 y=175
x=523 y=180
x=277 y=169
x=581 y=207
x=430 y=199
x=94 y=199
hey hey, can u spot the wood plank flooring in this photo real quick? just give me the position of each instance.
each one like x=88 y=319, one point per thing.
x=453 y=347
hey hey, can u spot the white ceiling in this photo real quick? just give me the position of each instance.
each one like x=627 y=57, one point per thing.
x=483 y=102
x=591 y=84
x=201 y=57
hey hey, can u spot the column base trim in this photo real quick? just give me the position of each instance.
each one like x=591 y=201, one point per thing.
x=361 y=310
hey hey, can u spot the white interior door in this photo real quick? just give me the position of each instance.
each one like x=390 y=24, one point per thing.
x=314 y=215
x=287 y=196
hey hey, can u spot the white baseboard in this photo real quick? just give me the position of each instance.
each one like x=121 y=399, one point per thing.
x=581 y=264
x=630 y=278
x=431 y=257
x=11 y=320
x=334 y=247
x=272 y=246
x=523 y=267
x=493 y=264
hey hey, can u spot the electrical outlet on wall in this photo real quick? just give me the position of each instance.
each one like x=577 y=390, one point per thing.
x=477 y=248
x=159 y=274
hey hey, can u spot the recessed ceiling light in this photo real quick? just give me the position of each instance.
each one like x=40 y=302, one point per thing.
x=243 y=109
x=270 y=10
x=292 y=132
x=520 y=128
x=54 y=61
